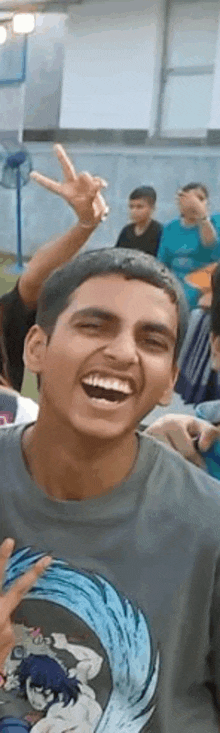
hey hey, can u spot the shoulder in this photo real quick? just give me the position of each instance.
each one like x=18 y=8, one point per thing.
x=156 y=225
x=13 y=304
x=215 y=218
x=209 y=411
x=10 y=437
x=171 y=229
x=187 y=490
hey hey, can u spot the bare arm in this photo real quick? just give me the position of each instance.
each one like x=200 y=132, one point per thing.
x=208 y=233
x=82 y=192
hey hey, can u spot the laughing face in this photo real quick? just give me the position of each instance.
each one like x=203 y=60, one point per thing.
x=110 y=359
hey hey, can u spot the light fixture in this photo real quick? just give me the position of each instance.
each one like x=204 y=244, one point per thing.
x=23 y=23
x=3 y=34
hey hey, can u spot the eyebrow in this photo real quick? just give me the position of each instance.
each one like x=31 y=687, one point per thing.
x=94 y=313
x=148 y=326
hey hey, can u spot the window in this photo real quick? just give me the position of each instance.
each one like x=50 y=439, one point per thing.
x=191 y=38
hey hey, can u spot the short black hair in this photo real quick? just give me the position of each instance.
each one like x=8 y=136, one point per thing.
x=215 y=305
x=191 y=186
x=60 y=286
x=144 y=192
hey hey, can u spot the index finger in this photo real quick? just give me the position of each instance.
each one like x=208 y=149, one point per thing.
x=46 y=182
x=19 y=589
x=6 y=549
x=67 y=165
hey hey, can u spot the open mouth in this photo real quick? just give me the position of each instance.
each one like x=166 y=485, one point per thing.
x=106 y=390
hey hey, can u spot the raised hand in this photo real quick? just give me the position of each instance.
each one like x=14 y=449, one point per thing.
x=11 y=599
x=192 y=204
x=81 y=191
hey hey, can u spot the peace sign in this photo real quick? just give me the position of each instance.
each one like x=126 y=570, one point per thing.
x=11 y=599
x=81 y=191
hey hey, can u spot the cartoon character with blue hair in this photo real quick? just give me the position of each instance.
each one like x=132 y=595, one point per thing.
x=124 y=635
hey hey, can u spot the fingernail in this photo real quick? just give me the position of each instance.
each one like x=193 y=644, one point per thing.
x=46 y=561
x=8 y=545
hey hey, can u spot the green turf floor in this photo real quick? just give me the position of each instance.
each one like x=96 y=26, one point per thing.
x=7 y=281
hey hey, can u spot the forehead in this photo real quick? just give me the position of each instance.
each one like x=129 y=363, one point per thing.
x=141 y=200
x=130 y=300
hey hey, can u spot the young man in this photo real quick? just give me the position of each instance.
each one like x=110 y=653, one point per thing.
x=144 y=233
x=193 y=240
x=133 y=529
x=18 y=307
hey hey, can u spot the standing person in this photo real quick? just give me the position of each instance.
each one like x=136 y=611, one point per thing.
x=18 y=307
x=133 y=529
x=192 y=240
x=144 y=233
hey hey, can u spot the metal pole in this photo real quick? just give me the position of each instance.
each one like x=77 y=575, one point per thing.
x=19 y=252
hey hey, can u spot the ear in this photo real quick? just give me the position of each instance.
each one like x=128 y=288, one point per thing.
x=35 y=349
x=168 y=393
x=215 y=351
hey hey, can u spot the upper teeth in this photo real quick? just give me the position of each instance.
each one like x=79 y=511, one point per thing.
x=108 y=383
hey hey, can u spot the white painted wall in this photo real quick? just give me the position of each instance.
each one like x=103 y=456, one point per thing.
x=214 y=122
x=111 y=50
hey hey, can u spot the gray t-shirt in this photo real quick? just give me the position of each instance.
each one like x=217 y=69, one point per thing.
x=122 y=631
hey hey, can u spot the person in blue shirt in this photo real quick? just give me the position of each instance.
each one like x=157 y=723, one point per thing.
x=192 y=240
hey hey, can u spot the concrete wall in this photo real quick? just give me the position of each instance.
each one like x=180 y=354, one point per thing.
x=111 y=50
x=45 y=215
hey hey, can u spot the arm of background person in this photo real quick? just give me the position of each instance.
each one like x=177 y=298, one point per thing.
x=179 y=433
x=82 y=192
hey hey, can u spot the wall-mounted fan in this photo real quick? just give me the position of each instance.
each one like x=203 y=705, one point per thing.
x=15 y=172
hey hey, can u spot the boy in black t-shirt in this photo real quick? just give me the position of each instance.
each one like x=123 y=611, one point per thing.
x=18 y=307
x=144 y=233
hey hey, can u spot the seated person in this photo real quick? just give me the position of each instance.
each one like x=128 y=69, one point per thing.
x=18 y=307
x=145 y=232
x=15 y=408
x=132 y=528
x=192 y=240
x=180 y=431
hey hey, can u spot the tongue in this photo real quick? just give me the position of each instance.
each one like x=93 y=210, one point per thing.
x=111 y=395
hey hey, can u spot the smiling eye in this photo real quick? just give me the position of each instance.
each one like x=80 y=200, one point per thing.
x=91 y=325
x=154 y=342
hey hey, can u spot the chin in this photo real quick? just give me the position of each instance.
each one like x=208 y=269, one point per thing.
x=101 y=430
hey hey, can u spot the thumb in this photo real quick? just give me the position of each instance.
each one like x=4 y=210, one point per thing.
x=207 y=438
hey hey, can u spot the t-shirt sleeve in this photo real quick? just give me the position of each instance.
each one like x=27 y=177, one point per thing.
x=15 y=321
x=163 y=253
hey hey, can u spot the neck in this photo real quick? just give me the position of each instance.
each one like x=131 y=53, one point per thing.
x=87 y=466
x=141 y=227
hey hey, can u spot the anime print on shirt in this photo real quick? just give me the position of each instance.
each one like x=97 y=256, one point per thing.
x=83 y=658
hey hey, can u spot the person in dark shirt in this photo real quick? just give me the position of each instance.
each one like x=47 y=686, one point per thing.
x=18 y=307
x=144 y=233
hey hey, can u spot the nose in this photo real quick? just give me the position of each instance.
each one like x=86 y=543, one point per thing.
x=122 y=349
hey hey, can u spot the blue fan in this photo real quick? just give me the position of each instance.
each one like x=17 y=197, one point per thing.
x=15 y=174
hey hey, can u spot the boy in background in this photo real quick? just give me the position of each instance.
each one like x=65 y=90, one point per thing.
x=189 y=435
x=192 y=240
x=144 y=233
